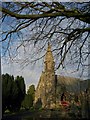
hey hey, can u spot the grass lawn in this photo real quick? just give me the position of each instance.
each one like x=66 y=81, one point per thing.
x=39 y=114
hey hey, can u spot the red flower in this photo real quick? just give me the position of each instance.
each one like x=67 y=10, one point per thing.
x=64 y=103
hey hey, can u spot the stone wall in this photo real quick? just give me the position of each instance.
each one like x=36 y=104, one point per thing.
x=45 y=90
x=40 y=91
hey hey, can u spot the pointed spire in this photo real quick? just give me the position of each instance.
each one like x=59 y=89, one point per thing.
x=49 y=59
x=49 y=55
x=49 y=47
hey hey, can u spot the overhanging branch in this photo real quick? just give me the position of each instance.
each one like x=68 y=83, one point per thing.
x=68 y=13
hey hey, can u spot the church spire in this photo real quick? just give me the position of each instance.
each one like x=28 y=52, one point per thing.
x=49 y=59
x=49 y=47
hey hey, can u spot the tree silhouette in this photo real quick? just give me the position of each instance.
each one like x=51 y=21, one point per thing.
x=12 y=92
x=21 y=91
x=29 y=97
x=65 y=25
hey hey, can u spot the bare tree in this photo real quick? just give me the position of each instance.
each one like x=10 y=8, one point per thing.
x=64 y=25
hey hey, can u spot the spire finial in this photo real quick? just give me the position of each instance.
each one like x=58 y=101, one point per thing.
x=49 y=47
x=48 y=43
x=49 y=60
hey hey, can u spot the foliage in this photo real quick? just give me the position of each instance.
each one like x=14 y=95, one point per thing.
x=7 y=85
x=21 y=90
x=29 y=98
x=27 y=102
x=12 y=95
x=31 y=91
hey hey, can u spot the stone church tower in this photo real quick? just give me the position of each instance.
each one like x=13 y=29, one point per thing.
x=50 y=77
x=51 y=87
x=46 y=87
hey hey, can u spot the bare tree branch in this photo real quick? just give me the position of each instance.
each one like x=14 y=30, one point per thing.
x=52 y=13
x=64 y=25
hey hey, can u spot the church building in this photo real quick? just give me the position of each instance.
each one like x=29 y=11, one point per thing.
x=52 y=88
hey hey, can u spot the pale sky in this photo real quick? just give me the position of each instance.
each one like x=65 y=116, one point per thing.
x=31 y=73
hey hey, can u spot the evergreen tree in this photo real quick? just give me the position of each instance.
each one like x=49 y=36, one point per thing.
x=21 y=91
x=31 y=91
x=7 y=86
x=29 y=97
x=27 y=102
x=13 y=92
